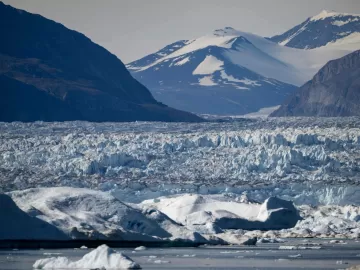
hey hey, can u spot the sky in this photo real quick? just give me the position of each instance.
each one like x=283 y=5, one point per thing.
x=132 y=29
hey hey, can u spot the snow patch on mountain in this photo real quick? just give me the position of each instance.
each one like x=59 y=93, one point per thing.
x=182 y=61
x=244 y=81
x=207 y=81
x=350 y=42
x=341 y=23
x=324 y=14
x=208 y=66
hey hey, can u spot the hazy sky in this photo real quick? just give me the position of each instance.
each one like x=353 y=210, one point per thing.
x=133 y=28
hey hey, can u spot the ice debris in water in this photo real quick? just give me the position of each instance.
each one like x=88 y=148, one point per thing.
x=161 y=262
x=103 y=257
x=141 y=248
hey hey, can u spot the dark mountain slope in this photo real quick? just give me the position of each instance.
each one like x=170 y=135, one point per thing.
x=68 y=66
x=334 y=91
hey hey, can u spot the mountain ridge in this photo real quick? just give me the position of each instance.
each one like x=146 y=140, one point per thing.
x=333 y=91
x=66 y=65
x=320 y=30
x=248 y=72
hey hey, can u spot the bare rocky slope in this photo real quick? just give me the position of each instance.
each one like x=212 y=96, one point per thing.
x=334 y=91
x=51 y=73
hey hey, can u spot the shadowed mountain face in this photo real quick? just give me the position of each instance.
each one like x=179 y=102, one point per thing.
x=334 y=91
x=80 y=79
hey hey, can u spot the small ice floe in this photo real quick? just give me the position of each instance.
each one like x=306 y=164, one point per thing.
x=299 y=247
x=282 y=260
x=287 y=247
x=231 y=251
x=152 y=257
x=83 y=247
x=341 y=262
x=103 y=258
x=337 y=242
x=295 y=256
x=309 y=247
x=188 y=255
x=141 y=248
x=161 y=262
x=51 y=253
x=270 y=240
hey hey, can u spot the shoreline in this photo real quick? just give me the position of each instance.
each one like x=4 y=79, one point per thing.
x=63 y=244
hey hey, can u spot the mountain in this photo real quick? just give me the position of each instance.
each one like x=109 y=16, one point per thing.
x=334 y=91
x=51 y=73
x=227 y=72
x=326 y=28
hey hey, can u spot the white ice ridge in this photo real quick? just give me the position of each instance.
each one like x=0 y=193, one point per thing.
x=89 y=214
x=101 y=258
x=190 y=218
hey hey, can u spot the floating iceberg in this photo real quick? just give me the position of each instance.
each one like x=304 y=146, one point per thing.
x=102 y=257
x=88 y=214
x=16 y=224
x=140 y=248
x=196 y=210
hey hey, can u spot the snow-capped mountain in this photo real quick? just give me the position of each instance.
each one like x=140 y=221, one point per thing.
x=325 y=28
x=227 y=72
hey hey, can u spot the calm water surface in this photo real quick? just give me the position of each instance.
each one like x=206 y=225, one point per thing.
x=263 y=256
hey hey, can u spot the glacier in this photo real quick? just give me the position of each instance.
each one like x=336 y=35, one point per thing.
x=217 y=182
x=307 y=160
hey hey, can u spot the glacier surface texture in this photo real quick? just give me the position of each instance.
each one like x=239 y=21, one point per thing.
x=306 y=160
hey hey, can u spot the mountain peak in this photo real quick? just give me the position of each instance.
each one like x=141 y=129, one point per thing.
x=226 y=31
x=326 y=28
x=331 y=13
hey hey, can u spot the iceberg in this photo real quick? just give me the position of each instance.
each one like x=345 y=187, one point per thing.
x=103 y=258
x=16 y=224
x=199 y=211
